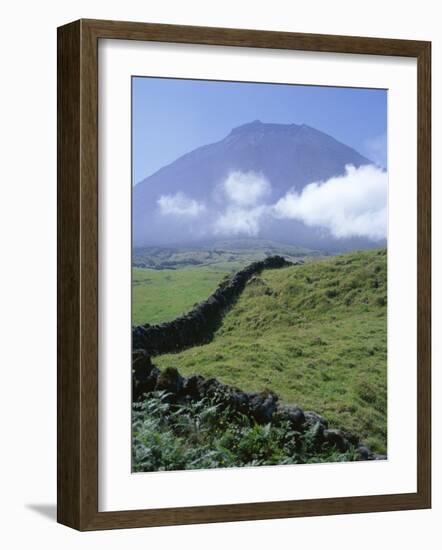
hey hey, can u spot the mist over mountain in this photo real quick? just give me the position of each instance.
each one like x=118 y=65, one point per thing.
x=285 y=182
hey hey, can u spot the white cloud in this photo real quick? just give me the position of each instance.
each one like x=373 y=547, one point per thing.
x=352 y=205
x=239 y=221
x=246 y=188
x=180 y=205
x=245 y=193
x=348 y=206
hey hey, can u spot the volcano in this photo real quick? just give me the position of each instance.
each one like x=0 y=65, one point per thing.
x=179 y=202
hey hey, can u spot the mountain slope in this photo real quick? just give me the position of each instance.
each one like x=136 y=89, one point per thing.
x=316 y=334
x=288 y=156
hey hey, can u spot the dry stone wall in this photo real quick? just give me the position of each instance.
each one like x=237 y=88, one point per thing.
x=199 y=325
x=262 y=407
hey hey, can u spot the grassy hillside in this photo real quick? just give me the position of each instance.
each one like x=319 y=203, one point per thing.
x=314 y=334
x=167 y=282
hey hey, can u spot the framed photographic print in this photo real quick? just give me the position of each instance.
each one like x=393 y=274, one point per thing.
x=243 y=274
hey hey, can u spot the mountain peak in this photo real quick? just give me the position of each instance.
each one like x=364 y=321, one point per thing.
x=257 y=125
x=254 y=125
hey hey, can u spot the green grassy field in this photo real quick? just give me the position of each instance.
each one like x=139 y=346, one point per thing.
x=315 y=334
x=162 y=295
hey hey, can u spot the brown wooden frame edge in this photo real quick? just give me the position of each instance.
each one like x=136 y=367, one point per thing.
x=77 y=309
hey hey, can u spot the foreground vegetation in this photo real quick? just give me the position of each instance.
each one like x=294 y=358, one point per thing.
x=315 y=334
x=205 y=434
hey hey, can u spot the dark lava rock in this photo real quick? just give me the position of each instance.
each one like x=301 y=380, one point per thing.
x=192 y=386
x=363 y=453
x=352 y=438
x=262 y=406
x=170 y=380
x=213 y=388
x=223 y=394
x=239 y=400
x=294 y=414
x=317 y=435
x=140 y=359
x=144 y=374
x=312 y=418
x=337 y=439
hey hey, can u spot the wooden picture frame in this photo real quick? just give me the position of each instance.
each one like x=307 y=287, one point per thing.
x=78 y=274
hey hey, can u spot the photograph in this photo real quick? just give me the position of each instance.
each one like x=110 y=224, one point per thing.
x=243 y=274
x=259 y=274
x=226 y=216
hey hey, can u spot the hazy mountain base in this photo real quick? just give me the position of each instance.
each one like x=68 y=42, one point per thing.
x=316 y=335
x=229 y=254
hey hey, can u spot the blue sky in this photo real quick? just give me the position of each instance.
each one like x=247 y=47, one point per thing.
x=172 y=117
